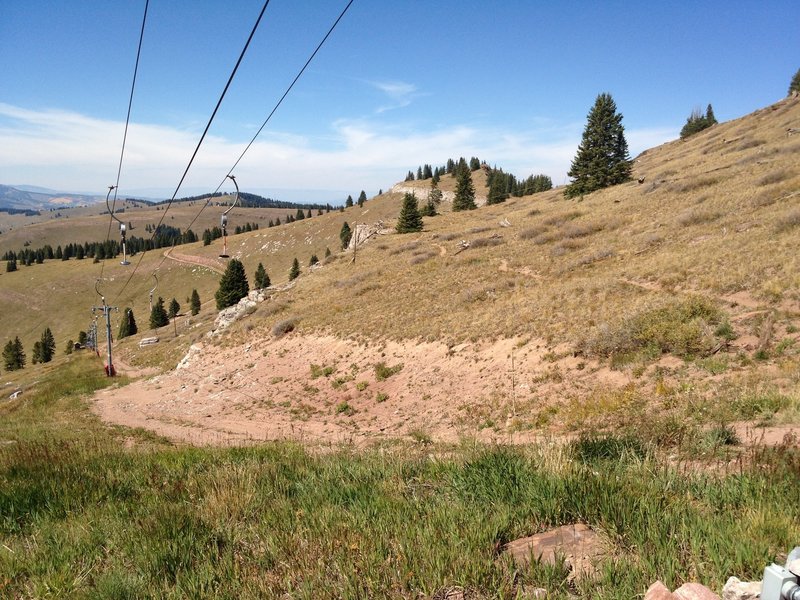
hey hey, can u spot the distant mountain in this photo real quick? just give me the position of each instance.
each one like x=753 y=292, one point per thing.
x=30 y=197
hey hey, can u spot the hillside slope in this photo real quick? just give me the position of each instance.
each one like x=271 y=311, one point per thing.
x=674 y=301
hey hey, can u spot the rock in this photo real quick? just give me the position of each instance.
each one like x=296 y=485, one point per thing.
x=694 y=591
x=741 y=590
x=581 y=547
x=658 y=591
x=194 y=350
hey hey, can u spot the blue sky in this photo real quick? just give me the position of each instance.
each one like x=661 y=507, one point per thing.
x=397 y=85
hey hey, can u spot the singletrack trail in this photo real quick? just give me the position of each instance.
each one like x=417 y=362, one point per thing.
x=201 y=261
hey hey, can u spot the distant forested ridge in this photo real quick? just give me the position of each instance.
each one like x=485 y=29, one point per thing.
x=246 y=200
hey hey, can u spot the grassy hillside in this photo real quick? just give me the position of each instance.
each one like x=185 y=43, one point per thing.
x=91 y=511
x=715 y=216
x=635 y=335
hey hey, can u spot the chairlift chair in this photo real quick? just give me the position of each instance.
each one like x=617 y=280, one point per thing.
x=122 y=228
x=224 y=220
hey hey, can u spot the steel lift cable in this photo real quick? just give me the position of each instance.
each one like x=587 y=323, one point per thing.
x=260 y=129
x=199 y=143
x=124 y=140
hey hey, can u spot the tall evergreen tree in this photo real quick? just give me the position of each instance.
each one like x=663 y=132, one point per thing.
x=409 y=219
x=261 y=280
x=233 y=285
x=362 y=197
x=435 y=194
x=194 y=302
x=294 y=272
x=158 y=316
x=602 y=159
x=127 y=326
x=37 y=353
x=48 y=346
x=497 y=192
x=794 y=85
x=349 y=202
x=174 y=309
x=345 y=234
x=13 y=355
x=697 y=122
x=465 y=191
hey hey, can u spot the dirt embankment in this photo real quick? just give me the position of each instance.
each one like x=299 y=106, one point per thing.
x=322 y=390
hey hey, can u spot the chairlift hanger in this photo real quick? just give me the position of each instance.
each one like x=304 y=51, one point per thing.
x=122 y=228
x=224 y=220
x=153 y=290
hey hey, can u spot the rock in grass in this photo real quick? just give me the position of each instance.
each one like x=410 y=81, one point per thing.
x=741 y=590
x=581 y=547
x=658 y=591
x=694 y=591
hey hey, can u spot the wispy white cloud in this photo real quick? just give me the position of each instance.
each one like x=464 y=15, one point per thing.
x=400 y=94
x=68 y=151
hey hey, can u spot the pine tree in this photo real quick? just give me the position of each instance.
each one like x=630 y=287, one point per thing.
x=294 y=272
x=48 y=346
x=13 y=356
x=362 y=197
x=11 y=265
x=233 y=285
x=174 y=309
x=158 y=316
x=345 y=234
x=409 y=219
x=327 y=252
x=300 y=215
x=794 y=86
x=602 y=159
x=194 y=302
x=68 y=349
x=710 y=118
x=127 y=326
x=82 y=338
x=37 y=353
x=435 y=194
x=349 y=202
x=496 y=191
x=313 y=260
x=697 y=122
x=308 y=214
x=261 y=280
x=465 y=191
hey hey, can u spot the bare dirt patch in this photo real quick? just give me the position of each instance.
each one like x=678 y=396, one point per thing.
x=323 y=389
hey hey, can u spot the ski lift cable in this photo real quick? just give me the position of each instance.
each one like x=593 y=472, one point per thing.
x=258 y=132
x=122 y=153
x=199 y=143
x=275 y=108
x=125 y=134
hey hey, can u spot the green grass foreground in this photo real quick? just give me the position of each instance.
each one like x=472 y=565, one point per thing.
x=83 y=515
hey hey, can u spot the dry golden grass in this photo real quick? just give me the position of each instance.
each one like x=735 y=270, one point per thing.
x=561 y=270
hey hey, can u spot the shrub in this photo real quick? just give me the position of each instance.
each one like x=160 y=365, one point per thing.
x=593 y=448
x=682 y=328
x=788 y=221
x=281 y=328
x=383 y=372
x=774 y=177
